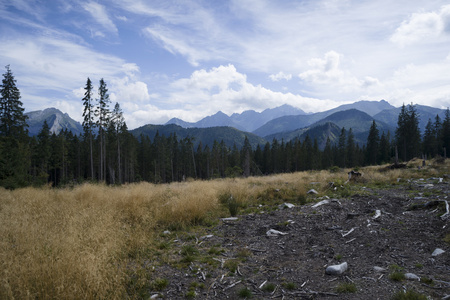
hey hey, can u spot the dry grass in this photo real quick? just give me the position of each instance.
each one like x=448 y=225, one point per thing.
x=78 y=243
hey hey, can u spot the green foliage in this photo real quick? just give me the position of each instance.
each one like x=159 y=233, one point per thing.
x=159 y=284
x=289 y=285
x=245 y=293
x=346 y=287
x=231 y=265
x=408 y=295
x=397 y=276
x=269 y=287
x=229 y=202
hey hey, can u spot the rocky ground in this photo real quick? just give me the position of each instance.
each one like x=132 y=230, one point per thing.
x=381 y=233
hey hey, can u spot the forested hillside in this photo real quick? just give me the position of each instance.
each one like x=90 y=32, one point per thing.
x=107 y=151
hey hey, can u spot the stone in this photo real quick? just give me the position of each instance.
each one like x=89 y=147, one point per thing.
x=437 y=251
x=412 y=276
x=312 y=191
x=230 y=219
x=379 y=269
x=320 y=203
x=336 y=269
x=274 y=232
x=286 y=205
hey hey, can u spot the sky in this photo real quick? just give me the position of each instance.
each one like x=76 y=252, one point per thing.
x=190 y=59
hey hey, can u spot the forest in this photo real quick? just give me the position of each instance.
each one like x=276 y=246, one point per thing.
x=108 y=152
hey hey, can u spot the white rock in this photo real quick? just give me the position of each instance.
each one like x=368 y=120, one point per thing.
x=166 y=232
x=379 y=269
x=206 y=237
x=412 y=276
x=377 y=214
x=273 y=232
x=336 y=269
x=286 y=205
x=312 y=191
x=230 y=219
x=437 y=251
x=320 y=203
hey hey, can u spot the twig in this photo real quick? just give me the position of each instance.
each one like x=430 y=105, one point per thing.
x=239 y=272
x=350 y=231
x=444 y=216
x=262 y=284
x=349 y=241
x=231 y=285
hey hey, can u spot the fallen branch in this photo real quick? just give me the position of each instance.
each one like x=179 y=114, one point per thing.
x=232 y=285
x=445 y=216
x=350 y=231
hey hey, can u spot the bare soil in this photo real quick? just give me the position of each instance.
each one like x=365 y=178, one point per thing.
x=236 y=259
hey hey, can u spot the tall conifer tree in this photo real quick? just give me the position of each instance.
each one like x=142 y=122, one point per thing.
x=88 y=121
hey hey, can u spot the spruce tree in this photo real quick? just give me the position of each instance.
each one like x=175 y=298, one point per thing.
x=15 y=154
x=373 y=144
x=103 y=117
x=88 y=122
x=341 y=159
x=407 y=133
x=12 y=119
x=445 y=133
x=351 y=149
x=429 y=140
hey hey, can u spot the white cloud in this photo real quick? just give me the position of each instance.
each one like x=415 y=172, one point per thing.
x=328 y=72
x=423 y=26
x=223 y=89
x=99 y=13
x=280 y=76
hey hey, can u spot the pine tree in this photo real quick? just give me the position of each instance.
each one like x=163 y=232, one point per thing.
x=12 y=119
x=445 y=133
x=407 y=133
x=117 y=122
x=351 y=149
x=15 y=155
x=341 y=159
x=43 y=152
x=103 y=113
x=429 y=140
x=373 y=145
x=88 y=122
x=385 y=145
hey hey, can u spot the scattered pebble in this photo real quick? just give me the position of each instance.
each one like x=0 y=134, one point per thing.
x=336 y=269
x=437 y=251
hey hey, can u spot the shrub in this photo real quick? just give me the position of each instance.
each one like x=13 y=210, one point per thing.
x=408 y=295
x=245 y=293
x=346 y=288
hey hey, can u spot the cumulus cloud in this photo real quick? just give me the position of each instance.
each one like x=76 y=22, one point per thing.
x=224 y=89
x=423 y=26
x=327 y=71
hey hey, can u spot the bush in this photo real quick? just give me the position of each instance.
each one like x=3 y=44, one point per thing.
x=346 y=288
x=409 y=295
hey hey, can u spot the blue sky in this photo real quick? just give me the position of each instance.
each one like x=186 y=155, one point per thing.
x=190 y=59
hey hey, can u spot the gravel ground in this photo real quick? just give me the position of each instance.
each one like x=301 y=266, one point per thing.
x=395 y=229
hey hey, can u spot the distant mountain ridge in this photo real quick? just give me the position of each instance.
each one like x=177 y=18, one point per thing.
x=248 y=120
x=284 y=123
x=56 y=120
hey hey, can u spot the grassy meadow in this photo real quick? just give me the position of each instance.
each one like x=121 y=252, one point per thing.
x=80 y=242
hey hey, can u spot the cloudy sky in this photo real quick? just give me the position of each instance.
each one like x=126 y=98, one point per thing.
x=190 y=59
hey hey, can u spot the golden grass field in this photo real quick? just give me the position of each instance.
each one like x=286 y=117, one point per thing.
x=77 y=242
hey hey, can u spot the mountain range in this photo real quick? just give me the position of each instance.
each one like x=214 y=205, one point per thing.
x=283 y=123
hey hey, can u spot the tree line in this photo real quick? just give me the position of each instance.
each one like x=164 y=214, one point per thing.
x=107 y=152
